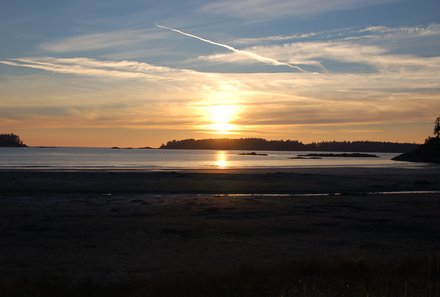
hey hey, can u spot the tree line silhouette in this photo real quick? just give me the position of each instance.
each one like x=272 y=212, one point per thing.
x=11 y=140
x=288 y=145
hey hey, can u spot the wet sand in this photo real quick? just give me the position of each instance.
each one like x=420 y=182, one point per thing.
x=115 y=227
x=278 y=180
x=125 y=237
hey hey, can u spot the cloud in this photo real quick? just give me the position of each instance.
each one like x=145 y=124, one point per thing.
x=432 y=29
x=92 y=67
x=244 y=53
x=393 y=88
x=370 y=32
x=107 y=115
x=104 y=40
x=262 y=10
x=275 y=38
x=318 y=113
x=351 y=47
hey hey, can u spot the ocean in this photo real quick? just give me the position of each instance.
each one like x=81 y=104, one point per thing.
x=74 y=158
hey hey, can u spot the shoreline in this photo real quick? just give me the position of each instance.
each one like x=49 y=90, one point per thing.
x=409 y=169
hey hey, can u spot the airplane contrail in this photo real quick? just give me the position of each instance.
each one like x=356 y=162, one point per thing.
x=251 y=55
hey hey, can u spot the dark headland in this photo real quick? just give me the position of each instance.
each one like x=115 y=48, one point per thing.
x=429 y=152
x=11 y=140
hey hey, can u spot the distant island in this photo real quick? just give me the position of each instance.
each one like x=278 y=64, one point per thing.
x=305 y=158
x=11 y=140
x=252 y=154
x=429 y=152
x=345 y=155
x=289 y=145
x=131 y=148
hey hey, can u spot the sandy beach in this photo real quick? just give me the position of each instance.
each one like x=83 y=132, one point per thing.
x=133 y=236
x=123 y=225
x=119 y=227
x=275 y=180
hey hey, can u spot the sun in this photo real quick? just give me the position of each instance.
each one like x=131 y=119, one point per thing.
x=221 y=107
x=221 y=117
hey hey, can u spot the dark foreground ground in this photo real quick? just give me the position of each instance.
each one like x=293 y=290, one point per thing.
x=145 y=244
x=302 y=180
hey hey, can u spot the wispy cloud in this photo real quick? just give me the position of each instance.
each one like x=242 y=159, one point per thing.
x=86 y=66
x=396 y=89
x=261 y=10
x=371 y=32
x=244 y=53
x=104 y=40
x=94 y=115
x=432 y=29
x=275 y=38
x=372 y=46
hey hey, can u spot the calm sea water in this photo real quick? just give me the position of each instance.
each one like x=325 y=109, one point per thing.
x=105 y=158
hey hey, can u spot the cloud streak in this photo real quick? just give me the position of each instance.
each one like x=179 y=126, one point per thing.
x=262 y=10
x=92 y=67
x=353 y=49
x=371 y=32
x=118 y=39
x=277 y=103
x=248 y=54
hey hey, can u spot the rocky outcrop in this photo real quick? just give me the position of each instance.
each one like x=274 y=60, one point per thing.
x=429 y=152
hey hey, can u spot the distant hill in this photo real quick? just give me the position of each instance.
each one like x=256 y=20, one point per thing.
x=289 y=145
x=10 y=140
x=429 y=152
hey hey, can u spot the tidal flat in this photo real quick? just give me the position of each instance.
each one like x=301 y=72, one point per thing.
x=74 y=242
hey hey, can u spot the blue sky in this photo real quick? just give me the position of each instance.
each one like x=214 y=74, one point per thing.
x=87 y=72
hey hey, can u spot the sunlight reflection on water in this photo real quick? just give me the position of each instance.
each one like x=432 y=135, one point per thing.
x=221 y=161
x=70 y=158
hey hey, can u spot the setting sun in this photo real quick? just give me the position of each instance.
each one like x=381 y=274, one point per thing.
x=221 y=117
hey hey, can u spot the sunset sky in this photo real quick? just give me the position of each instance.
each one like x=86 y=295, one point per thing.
x=139 y=73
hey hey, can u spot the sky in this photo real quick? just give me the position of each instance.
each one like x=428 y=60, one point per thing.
x=139 y=73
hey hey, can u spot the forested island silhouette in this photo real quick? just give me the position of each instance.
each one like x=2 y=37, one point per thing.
x=289 y=145
x=429 y=152
x=11 y=140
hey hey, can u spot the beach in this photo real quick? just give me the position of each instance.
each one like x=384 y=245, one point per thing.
x=119 y=227
x=133 y=236
x=255 y=180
